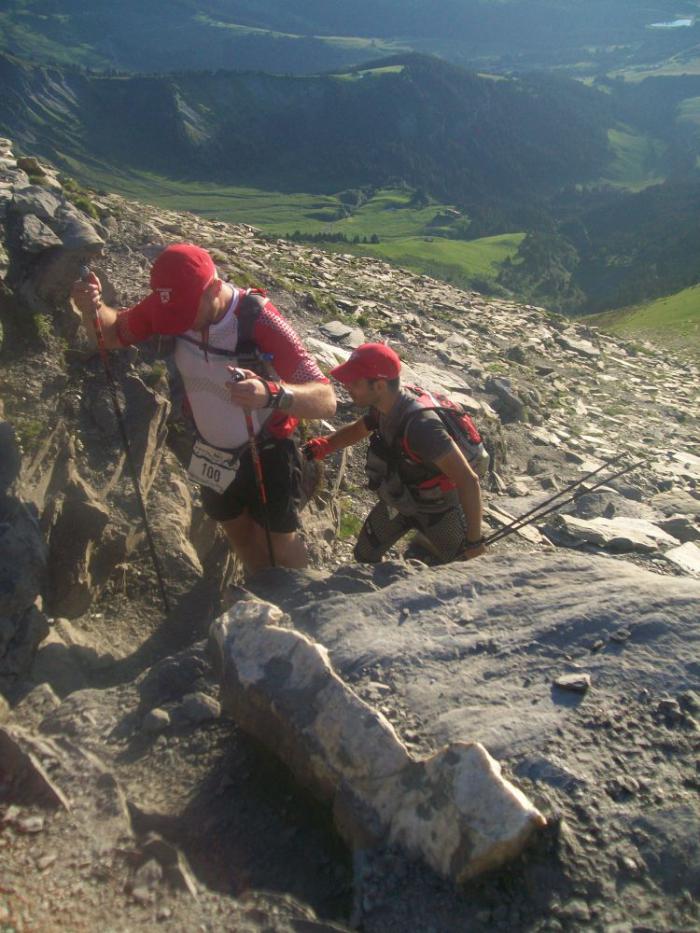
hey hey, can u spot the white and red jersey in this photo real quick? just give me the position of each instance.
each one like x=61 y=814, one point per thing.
x=205 y=372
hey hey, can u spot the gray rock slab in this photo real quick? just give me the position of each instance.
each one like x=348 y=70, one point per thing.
x=35 y=236
x=77 y=233
x=327 y=354
x=682 y=528
x=24 y=775
x=687 y=557
x=621 y=534
x=453 y=808
x=677 y=502
x=35 y=200
x=471 y=650
x=347 y=334
x=336 y=330
x=578 y=346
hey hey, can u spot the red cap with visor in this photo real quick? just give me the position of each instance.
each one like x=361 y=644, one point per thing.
x=179 y=277
x=369 y=361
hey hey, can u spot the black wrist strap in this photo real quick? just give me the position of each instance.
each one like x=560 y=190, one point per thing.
x=273 y=393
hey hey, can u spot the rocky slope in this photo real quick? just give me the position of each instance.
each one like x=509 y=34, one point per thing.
x=128 y=801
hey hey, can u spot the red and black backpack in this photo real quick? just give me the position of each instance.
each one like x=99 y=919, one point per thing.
x=459 y=426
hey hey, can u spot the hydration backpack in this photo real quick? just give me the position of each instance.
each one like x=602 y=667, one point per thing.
x=459 y=426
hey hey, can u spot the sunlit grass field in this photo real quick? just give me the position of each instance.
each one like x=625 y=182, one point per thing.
x=406 y=237
x=636 y=159
x=673 y=321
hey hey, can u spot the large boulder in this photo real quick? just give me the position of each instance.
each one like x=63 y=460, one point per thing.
x=74 y=521
x=453 y=808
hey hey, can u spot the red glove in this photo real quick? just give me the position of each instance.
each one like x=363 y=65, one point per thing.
x=317 y=448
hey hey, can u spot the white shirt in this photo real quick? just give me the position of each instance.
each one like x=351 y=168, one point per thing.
x=219 y=422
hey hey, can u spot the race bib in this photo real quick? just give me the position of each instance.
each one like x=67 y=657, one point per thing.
x=212 y=467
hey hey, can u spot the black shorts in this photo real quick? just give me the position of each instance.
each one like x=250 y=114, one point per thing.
x=281 y=470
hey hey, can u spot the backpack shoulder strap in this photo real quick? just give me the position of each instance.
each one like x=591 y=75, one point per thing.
x=401 y=436
x=248 y=310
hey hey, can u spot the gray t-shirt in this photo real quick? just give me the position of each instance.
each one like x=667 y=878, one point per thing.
x=427 y=436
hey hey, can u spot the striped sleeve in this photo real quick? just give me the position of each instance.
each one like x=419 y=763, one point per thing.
x=292 y=361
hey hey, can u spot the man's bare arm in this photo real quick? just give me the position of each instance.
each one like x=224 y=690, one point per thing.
x=455 y=466
x=348 y=435
x=311 y=399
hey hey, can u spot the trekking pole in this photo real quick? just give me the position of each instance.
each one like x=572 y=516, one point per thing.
x=84 y=274
x=523 y=521
x=257 y=466
x=562 y=492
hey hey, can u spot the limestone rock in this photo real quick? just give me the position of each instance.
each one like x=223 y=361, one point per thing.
x=76 y=521
x=22 y=772
x=619 y=534
x=199 y=707
x=35 y=200
x=682 y=528
x=35 y=236
x=35 y=706
x=509 y=405
x=453 y=809
x=76 y=231
x=687 y=557
x=345 y=334
x=155 y=721
x=575 y=345
x=578 y=682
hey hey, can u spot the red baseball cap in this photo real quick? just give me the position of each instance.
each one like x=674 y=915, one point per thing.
x=369 y=361
x=179 y=276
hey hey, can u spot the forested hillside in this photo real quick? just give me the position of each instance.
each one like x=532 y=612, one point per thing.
x=471 y=139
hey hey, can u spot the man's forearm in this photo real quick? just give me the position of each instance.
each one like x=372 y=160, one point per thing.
x=469 y=493
x=348 y=435
x=312 y=400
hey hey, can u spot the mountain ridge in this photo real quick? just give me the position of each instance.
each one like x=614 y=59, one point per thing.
x=305 y=35
x=433 y=124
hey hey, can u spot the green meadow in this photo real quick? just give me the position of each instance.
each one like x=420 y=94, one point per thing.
x=473 y=263
x=636 y=160
x=673 y=321
x=406 y=231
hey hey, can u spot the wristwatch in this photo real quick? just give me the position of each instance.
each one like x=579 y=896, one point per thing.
x=281 y=398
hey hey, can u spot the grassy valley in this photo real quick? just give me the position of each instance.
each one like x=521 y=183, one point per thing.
x=406 y=233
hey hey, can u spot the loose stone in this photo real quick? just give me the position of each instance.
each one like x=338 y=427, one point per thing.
x=577 y=683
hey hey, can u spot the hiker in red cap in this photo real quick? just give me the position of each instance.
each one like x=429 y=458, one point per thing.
x=423 y=480
x=248 y=380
